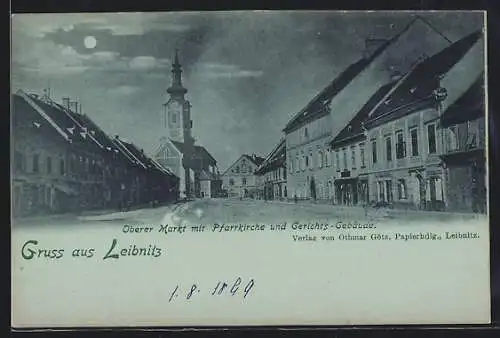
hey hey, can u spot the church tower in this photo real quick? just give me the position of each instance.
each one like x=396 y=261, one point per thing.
x=176 y=119
x=176 y=113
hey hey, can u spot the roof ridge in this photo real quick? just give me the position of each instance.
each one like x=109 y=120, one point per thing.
x=41 y=112
x=129 y=152
x=69 y=114
x=396 y=85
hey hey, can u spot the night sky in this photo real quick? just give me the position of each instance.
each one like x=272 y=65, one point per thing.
x=247 y=73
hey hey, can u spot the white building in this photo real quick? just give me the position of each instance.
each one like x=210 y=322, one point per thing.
x=240 y=179
x=310 y=131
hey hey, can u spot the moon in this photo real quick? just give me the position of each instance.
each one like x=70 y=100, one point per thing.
x=90 y=42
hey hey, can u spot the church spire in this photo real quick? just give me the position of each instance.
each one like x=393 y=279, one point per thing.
x=176 y=89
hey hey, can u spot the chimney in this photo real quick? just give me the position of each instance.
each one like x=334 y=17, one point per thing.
x=65 y=102
x=73 y=106
x=371 y=46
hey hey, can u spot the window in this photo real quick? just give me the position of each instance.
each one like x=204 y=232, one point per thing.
x=291 y=166
x=306 y=133
x=18 y=161
x=414 y=141
x=311 y=159
x=362 y=154
x=320 y=159
x=244 y=181
x=345 y=158
x=327 y=158
x=400 y=145
x=388 y=186
x=62 y=169
x=238 y=170
x=381 y=191
x=388 y=148
x=307 y=161
x=452 y=138
x=243 y=169
x=49 y=165
x=231 y=181
x=431 y=138
x=472 y=134
x=36 y=163
x=337 y=159
x=353 y=157
x=402 y=189
x=297 y=163
x=374 y=151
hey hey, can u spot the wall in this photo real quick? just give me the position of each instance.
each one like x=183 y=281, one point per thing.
x=299 y=144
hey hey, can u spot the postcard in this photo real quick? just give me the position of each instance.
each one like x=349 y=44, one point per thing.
x=188 y=169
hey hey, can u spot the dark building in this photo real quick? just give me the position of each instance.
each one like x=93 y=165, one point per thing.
x=463 y=155
x=63 y=162
x=272 y=174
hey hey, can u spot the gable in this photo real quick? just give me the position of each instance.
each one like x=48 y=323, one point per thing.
x=401 y=54
x=166 y=149
x=241 y=166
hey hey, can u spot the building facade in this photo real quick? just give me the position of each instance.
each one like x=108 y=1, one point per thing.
x=464 y=158
x=240 y=180
x=63 y=162
x=272 y=174
x=310 y=132
x=405 y=135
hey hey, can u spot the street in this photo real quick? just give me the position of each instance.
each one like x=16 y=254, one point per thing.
x=210 y=211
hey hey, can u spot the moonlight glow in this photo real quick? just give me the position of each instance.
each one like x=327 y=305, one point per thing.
x=90 y=42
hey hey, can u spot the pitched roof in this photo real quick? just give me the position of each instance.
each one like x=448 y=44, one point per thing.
x=206 y=176
x=92 y=128
x=318 y=106
x=469 y=106
x=127 y=151
x=277 y=157
x=421 y=82
x=254 y=159
x=53 y=121
x=160 y=167
x=199 y=152
x=23 y=113
x=62 y=119
x=257 y=160
x=355 y=126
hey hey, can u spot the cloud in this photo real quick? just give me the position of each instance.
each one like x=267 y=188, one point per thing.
x=147 y=63
x=49 y=58
x=39 y=25
x=123 y=90
x=219 y=70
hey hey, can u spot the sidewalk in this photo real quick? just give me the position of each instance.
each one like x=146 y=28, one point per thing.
x=88 y=215
x=399 y=213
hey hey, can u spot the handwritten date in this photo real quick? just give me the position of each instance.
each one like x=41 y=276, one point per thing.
x=231 y=288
